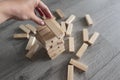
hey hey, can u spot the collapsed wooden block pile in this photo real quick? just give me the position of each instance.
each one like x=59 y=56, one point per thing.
x=52 y=36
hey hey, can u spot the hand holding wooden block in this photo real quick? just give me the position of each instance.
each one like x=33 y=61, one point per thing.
x=78 y=65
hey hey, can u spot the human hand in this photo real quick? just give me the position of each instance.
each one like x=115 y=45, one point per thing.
x=24 y=10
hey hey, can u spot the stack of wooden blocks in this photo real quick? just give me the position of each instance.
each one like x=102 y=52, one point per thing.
x=51 y=36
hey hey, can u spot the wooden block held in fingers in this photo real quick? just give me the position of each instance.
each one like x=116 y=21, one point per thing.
x=63 y=26
x=32 y=51
x=22 y=27
x=70 y=73
x=78 y=65
x=21 y=35
x=70 y=19
x=85 y=35
x=69 y=30
x=60 y=13
x=30 y=43
x=93 y=38
x=33 y=29
x=54 y=27
x=82 y=50
x=71 y=44
x=89 y=20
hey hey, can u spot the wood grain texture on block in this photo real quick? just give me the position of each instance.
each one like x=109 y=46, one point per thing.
x=79 y=65
x=30 y=42
x=32 y=51
x=69 y=30
x=39 y=28
x=93 y=38
x=22 y=27
x=71 y=44
x=54 y=27
x=85 y=35
x=21 y=35
x=89 y=20
x=70 y=73
x=60 y=13
x=32 y=28
x=70 y=19
x=44 y=31
x=82 y=50
x=63 y=26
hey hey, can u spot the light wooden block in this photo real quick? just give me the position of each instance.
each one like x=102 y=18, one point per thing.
x=63 y=26
x=54 y=27
x=44 y=31
x=69 y=30
x=39 y=28
x=32 y=51
x=70 y=73
x=82 y=50
x=85 y=35
x=33 y=29
x=93 y=38
x=79 y=65
x=21 y=35
x=89 y=20
x=60 y=13
x=70 y=19
x=30 y=43
x=22 y=27
x=71 y=44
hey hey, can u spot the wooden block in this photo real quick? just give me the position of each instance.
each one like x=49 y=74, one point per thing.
x=39 y=28
x=70 y=19
x=78 y=65
x=93 y=38
x=22 y=27
x=33 y=29
x=44 y=31
x=54 y=27
x=21 y=35
x=32 y=51
x=89 y=20
x=69 y=30
x=82 y=50
x=71 y=44
x=63 y=26
x=70 y=73
x=85 y=35
x=30 y=43
x=60 y=13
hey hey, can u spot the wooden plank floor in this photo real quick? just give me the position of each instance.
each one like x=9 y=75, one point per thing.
x=103 y=57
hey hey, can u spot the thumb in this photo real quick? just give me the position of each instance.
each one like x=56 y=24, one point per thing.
x=37 y=19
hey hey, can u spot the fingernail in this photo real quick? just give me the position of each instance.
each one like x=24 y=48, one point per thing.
x=42 y=23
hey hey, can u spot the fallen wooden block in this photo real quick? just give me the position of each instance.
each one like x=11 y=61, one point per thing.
x=69 y=30
x=85 y=35
x=78 y=65
x=60 y=13
x=70 y=19
x=21 y=35
x=22 y=27
x=93 y=38
x=89 y=20
x=33 y=29
x=70 y=73
x=81 y=51
x=30 y=43
x=32 y=51
x=71 y=44
x=63 y=26
x=54 y=27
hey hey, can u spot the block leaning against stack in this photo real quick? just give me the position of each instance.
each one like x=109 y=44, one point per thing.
x=51 y=37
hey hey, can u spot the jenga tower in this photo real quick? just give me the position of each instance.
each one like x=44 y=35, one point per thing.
x=52 y=43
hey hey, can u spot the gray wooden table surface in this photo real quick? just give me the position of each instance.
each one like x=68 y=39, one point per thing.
x=103 y=57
